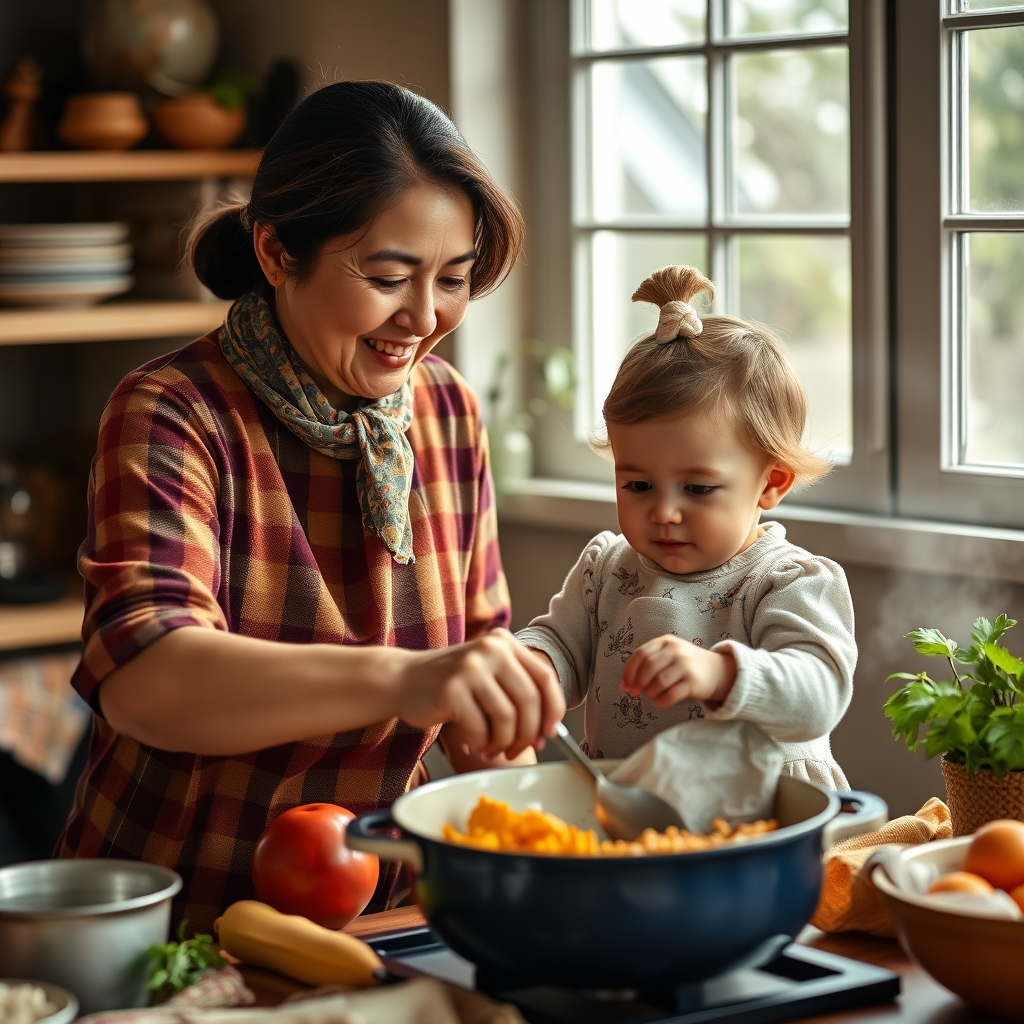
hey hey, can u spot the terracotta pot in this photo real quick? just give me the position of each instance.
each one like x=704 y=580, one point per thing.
x=197 y=121
x=102 y=120
x=975 y=799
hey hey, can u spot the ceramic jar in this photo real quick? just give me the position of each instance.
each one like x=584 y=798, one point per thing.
x=197 y=121
x=149 y=44
x=102 y=120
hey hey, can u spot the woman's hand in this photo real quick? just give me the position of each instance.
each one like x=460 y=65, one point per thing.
x=503 y=697
x=669 y=670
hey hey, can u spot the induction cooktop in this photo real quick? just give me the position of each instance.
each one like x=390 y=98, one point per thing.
x=799 y=982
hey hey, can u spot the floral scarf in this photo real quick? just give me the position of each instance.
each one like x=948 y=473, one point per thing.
x=374 y=433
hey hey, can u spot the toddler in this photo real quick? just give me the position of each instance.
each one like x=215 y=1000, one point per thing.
x=697 y=610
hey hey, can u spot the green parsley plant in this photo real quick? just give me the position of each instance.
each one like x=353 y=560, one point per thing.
x=977 y=718
x=174 y=966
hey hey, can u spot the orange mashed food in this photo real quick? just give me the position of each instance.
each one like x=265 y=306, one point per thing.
x=493 y=825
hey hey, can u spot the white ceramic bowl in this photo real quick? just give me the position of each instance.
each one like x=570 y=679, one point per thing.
x=103 y=233
x=63 y=253
x=66 y=1003
x=63 y=293
x=56 y=269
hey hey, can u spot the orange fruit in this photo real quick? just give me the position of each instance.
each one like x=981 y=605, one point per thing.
x=997 y=854
x=1017 y=895
x=961 y=881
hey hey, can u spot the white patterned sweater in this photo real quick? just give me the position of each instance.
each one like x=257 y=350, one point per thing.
x=785 y=615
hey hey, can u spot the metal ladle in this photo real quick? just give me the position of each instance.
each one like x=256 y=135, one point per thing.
x=623 y=811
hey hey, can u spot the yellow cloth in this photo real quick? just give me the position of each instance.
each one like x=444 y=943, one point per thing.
x=849 y=900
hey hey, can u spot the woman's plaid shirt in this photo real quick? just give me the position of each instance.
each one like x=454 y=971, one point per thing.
x=206 y=511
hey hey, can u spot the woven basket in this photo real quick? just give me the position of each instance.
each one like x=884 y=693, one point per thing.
x=975 y=799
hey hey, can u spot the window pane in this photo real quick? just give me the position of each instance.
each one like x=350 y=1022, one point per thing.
x=791 y=132
x=760 y=17
x=994 y=374
x=622 y=23
x=648 y=135
x=995 y=121
x=800 y=286
x=619 y=262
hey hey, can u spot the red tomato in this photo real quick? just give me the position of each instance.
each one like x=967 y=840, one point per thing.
x=302 y=866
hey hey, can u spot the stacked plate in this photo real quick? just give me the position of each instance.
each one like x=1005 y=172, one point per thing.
x=63 y=264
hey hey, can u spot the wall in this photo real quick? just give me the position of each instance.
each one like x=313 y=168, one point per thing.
x=887 y=604
x=404 y=41
x=488 y=58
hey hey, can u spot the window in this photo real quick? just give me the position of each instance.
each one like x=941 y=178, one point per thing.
x=724 y=134
x=751 y=137
x=960 y=204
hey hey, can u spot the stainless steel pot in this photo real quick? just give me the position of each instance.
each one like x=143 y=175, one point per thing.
x=85 y=924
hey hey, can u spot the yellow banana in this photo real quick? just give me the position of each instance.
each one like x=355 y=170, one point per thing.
x=257 y=934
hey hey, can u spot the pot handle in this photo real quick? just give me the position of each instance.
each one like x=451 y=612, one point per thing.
x=364 y=833
x=861 y=812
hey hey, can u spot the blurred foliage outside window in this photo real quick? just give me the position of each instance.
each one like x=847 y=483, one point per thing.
x=786 y=122
x=992 y=273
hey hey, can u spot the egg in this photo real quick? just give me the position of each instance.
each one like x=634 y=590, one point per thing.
x=1017 y=895
x=997 y=854
x=961 y=881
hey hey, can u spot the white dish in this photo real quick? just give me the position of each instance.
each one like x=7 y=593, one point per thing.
x=63 y=293
x=54 y=271
x=66 y=1003
x=63 y=253
x=105 y=233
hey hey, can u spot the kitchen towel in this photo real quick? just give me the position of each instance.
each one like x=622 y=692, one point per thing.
x=42 y=720
x=849 y=900
x=707 y=770
x=420 y=1001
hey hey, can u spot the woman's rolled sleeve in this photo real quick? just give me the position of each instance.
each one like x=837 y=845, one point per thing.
x=151 y=558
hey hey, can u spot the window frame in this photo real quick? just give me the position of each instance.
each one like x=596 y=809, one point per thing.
x=863 y=484
x=931 y=482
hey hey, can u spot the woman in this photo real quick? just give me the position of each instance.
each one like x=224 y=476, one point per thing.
x=292 y=571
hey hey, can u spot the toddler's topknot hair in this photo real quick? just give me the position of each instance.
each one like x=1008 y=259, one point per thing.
x=718 y=364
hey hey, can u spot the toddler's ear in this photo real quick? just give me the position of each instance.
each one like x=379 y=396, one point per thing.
x=780 y=479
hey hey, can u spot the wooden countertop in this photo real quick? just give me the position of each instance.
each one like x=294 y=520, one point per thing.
x=922 y=1001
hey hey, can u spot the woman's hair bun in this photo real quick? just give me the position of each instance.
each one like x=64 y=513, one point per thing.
x=221 y=252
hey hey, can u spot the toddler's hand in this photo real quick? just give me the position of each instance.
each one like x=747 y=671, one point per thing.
x=669 y=670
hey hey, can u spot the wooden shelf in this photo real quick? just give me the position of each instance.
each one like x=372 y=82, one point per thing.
x=39 y=625
x=115 y=321
x=141 y=165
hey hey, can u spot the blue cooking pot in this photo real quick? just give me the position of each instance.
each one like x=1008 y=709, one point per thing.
x=609 y=922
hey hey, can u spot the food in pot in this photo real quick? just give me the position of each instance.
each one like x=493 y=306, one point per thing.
x=257 y=934
x=997 y=854
x=301 y=865
x=493 y=825
x=23 y=1004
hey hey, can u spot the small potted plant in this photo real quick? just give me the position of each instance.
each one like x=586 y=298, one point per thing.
x=210 y=117
x=511 y=447
x=975 y=721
